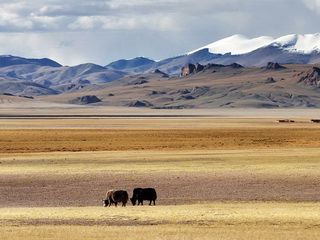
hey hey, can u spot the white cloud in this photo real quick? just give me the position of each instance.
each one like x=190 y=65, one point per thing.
x=312 y=4
x=116 y=4
x=178 y=4
x=84 y=23
x=100 y=31
x=74 y=15
x=11 y=16
x=47 y=10
x=48 y=45
x=156 y=22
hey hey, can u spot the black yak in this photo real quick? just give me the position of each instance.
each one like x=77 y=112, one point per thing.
x=141 y=194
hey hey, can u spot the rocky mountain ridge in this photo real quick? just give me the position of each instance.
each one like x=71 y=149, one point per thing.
x=211 y=86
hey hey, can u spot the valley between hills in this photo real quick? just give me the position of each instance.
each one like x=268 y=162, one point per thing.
x=197 y=86
x=210 y=86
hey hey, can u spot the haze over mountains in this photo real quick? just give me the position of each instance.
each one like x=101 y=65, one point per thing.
x=205 y=77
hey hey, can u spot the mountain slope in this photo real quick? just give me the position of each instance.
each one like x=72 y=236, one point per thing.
x=239 y=44
x=83 y=73
x=36 y=77
x=8 y=60
x=129 y=64
x=236 y=44
x=300 y=49
x=215 y=86
x=173 y=65
x=24 y=88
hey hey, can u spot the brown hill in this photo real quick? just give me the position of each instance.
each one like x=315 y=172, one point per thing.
x=215 y=86
x=86 y=100
x=310 y=77
x=191 y=68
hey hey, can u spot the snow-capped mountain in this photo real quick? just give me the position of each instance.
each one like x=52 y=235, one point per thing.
x=33 y=77
x=236 y=44
x=239 y=44
x=294 y=48
x=299 y=43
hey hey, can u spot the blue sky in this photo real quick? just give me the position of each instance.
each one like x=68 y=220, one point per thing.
x=100 y=31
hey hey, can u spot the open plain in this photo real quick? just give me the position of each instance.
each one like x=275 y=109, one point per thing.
x=219 y=174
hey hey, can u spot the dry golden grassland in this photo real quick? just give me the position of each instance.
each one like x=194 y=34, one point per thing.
x=236 y=220
x=216 y=178
x=159 y=135
x=284 y=161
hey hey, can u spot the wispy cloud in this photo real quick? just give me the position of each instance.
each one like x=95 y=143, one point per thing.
x=163 y=22
x=111 y=14
x=313 y=5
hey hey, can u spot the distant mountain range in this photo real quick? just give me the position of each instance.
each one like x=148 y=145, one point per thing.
x=34 y=77
x=44 y=77
x=301 y=49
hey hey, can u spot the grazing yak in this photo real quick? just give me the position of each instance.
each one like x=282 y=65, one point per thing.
x=116 y=196
x=141 y=194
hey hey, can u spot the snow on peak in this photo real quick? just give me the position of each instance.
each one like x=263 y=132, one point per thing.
x=299 y=43
x=239 y=44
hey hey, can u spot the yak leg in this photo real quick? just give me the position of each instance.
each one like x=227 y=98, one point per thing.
x=110 y=201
